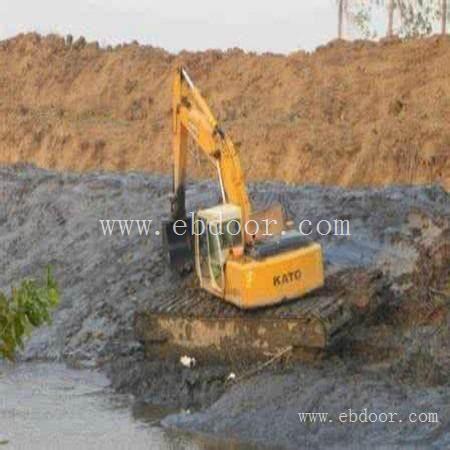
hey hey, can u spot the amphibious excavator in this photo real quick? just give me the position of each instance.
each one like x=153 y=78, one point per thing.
x=255 y=270
x=246 y=258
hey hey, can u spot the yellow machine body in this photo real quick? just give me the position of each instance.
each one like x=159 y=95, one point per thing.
x=248 y=268
x=225 y=270
x=286 y=276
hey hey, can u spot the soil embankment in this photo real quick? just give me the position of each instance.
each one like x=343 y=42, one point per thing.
x=398 y=358
x=349 y=114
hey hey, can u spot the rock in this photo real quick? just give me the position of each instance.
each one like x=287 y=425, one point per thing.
x=187 y=361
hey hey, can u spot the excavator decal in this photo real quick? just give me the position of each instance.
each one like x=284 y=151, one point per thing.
x=287 y=277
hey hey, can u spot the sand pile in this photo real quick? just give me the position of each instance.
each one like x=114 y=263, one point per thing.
x=349 y=114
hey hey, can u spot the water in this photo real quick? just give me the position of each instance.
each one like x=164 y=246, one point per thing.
x=48 y=406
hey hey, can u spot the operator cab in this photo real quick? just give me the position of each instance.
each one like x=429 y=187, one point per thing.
x=218 y=235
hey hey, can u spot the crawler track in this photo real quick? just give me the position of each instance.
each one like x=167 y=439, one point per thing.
x=195 y=323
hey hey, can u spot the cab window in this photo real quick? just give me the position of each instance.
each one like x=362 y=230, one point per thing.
x=231 y=235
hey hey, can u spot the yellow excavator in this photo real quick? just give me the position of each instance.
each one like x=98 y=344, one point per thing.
x=246 y=258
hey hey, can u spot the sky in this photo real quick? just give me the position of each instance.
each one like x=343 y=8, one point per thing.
x=257 y=25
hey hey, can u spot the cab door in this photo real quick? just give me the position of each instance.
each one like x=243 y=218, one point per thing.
x=202 y=252
x=216 y=259
x=209 y=257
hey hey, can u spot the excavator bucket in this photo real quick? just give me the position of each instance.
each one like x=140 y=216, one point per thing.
x=178 y=245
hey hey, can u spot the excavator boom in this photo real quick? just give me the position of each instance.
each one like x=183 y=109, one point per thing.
x=192 y=117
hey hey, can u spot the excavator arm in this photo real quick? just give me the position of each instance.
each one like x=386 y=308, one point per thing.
x=192 y=117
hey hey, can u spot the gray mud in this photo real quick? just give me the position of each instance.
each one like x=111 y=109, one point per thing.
x=395 y=360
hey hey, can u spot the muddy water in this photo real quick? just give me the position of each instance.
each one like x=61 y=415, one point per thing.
x=48 y=406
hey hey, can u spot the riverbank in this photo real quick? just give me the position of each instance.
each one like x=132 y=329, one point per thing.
x=50 y=406
x=397 y=357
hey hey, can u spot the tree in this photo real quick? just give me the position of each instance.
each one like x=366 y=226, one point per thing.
x=29 y=306
x=416 y=17
x=358 y=14
x=444 y=16
x=390 y=26
x=341 y=7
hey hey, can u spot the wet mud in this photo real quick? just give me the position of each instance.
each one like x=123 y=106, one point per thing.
x=396 y=357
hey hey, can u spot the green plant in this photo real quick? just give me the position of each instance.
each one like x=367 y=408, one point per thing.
x=412 y=17
x=29 y=306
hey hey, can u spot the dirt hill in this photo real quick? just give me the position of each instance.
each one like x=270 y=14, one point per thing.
x=348 y=114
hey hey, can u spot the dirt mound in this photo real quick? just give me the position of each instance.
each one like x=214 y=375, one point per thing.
x=348 y=114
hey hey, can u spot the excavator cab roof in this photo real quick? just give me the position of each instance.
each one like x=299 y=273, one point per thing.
x=221 y=213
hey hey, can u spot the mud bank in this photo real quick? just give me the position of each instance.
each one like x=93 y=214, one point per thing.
x=266 y=410
x=403 y=233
